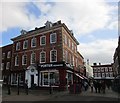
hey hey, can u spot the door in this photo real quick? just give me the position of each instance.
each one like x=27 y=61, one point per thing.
x=32 y=80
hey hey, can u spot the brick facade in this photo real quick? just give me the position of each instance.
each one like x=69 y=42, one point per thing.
x=60 y=45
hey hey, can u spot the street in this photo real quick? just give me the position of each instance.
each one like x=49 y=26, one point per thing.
x=43 y=95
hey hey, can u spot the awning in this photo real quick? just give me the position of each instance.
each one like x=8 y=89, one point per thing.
x=79 y=76
x=84 y=77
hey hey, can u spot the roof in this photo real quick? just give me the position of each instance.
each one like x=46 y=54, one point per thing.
x=42 y=29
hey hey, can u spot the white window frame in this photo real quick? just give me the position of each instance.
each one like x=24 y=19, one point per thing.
x=106 y=69
x=41 y=56
x=8 y=54
x=72 y=46
x=23 y=57
x=51 y=38
x=17 y=46
x=66 y=56
x=32 y=58
x=51 y=56
x=99 y=74
x=41 y=40
x=102 y=69
x=111 y=74
x=25 y=41
x=103 y=74
x=16 y=57
x=7 y=65
x=66 y=39
x=3 y=55
x=2 y=66
x=107 y=75
x=32 y=42
x=69 y=43
x=110 y=69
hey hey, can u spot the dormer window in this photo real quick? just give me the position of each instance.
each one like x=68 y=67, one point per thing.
x=33 y=42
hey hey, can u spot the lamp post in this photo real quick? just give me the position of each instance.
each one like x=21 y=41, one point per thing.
x=18 y=85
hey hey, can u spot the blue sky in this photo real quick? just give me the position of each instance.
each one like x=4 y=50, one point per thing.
x=94 y=23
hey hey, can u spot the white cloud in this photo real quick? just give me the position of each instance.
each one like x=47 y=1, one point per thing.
x=99 y=50
x=82 y=17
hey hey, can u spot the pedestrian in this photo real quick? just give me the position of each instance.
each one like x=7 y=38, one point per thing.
x=85 y=85
x=26 y=87
x=99 y=86
x=91 y=85
x=95 y=85
x=103 y=85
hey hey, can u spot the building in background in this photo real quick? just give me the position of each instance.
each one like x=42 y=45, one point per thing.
x=44 y=56
x=103 y=72
x=6 y=63
x=116 y=58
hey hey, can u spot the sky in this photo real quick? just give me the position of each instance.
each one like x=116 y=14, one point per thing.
x=94 y=23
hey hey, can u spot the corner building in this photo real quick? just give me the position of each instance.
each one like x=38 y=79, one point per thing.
x=46 y=55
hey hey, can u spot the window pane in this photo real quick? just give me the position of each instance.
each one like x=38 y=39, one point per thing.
x=45 y=78
x=25 y=44
x=33 y=42
x=42 y=40
x=53 y=38
x=53 y=55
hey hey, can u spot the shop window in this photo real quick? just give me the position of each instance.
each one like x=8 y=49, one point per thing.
x=45 y=78
x=14 y=79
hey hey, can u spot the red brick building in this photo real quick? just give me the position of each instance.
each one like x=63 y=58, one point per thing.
x=46 y=55
x=6 y=62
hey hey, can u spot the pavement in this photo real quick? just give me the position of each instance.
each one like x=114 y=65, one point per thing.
x=44 y=95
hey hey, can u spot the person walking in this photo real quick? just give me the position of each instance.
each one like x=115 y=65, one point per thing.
x=91 y=85
x=99 y=86
x=103 y=85
x=95 y=85
x=26 y=87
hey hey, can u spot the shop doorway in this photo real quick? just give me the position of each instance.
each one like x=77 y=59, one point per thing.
x=32 y=80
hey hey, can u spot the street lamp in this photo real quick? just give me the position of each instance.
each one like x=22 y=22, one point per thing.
x=18 y=85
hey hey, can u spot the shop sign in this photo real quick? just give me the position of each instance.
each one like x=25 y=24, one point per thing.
x=50 y=65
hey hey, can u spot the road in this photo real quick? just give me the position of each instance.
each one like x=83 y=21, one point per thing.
x=82 y=98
